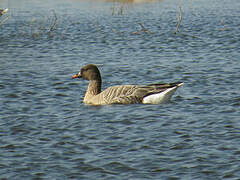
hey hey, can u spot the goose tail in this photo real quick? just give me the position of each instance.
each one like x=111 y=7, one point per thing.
x=163 y=96
x=180 y=84
x=4 y=11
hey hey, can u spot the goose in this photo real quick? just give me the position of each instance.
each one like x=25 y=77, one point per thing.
x=3 y=11
x=123 y=94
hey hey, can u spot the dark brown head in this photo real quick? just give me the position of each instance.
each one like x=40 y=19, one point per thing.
x=88 y=72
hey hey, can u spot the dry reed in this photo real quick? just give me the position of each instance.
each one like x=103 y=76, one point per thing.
x=54 y=22
x=179 y=19
x=144 y=29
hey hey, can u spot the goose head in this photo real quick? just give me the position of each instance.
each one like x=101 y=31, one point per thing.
x=88 y=72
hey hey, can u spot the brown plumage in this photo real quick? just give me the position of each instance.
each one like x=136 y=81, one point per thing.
x=123 y=94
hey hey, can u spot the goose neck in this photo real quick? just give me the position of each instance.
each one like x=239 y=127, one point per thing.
x=94 y=87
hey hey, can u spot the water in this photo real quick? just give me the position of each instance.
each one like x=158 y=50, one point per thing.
x=46 y=132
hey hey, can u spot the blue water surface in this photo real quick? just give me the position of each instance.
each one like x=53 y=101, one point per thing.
x=46 y=132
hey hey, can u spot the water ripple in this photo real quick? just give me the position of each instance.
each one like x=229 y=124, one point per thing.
x=46 y=132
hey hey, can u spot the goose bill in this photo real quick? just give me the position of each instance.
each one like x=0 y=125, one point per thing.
x=76 y=76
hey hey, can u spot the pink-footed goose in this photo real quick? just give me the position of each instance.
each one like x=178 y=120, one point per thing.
x=123 y=94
